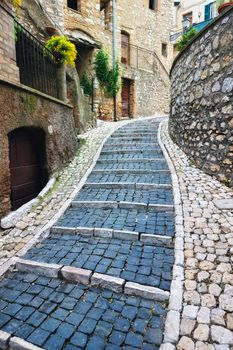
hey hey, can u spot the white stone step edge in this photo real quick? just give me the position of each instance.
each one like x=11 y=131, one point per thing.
x=110 y=233
x=130 y=171
x=130 y=185
x=133 y=160
x=134 y=151
x=121 y=205
x=130 y=144
x=88 y=277
x=7 y=341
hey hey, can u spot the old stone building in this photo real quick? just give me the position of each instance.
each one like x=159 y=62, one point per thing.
x=143 y=48
x=37 y=130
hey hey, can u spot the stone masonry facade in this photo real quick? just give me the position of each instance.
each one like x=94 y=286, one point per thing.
x=147 y=30
x=202 y=98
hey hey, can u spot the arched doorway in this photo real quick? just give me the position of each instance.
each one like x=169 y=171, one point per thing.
x=27 y=154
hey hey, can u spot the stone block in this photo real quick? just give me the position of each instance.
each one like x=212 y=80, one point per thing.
x=130 y=205
x=94 y=204
x=85 y=231
x=62 y=230
x=146 y=291
x=172 y=326
x=156 y=239
x=4 y=340
x=126 y=235
x=108 y=282
x=43 y=269
x=103 y=232
x=20 y=344
x=74 y=274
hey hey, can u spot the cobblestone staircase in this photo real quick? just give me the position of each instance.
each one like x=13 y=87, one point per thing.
x=101 y=279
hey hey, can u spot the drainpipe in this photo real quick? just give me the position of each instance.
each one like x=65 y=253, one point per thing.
x=114 y=49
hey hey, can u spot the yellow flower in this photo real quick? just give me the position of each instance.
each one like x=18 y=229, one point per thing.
x=63 y=49
x=16 y=3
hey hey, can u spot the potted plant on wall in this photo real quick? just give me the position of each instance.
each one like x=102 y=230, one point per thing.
x=222 y=5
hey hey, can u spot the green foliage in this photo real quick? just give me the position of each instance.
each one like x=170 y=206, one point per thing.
x=186 y=38
x=108 y=78
x=221 y=2
x=63 y=49
x=86 y=84
x=113 y=81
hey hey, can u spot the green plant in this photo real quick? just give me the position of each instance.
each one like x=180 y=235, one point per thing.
x=86 y=84
x=108 y=78
x=221 y=2
x=186 y=38
x=63 y=49
x=113 y=81
x=102 y=67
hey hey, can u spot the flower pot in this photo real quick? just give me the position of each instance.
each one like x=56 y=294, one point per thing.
x=223 y=7
x=51 y=31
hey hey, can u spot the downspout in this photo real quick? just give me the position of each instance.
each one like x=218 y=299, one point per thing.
x=114 y=49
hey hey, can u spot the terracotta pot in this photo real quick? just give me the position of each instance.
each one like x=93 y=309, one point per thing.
x=223 y=7
x=51 y=31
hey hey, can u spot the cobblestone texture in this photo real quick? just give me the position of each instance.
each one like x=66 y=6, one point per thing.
x=142 y=221
x=153 y=196
x=55 y=315
x=206 y=322
x=129 y=260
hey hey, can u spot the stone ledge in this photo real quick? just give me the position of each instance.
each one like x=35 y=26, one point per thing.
x=147 y=292
x=20 y=344
x=44 y=269
x=74 y=274
x=4 y=340
x=109 y=282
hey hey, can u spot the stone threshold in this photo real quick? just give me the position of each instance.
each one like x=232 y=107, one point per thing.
x=93 y=279
x=129 y=185
x=130 y=171
x=7 y=341
x=121 y=205
x=134 y=160
x=165 y=241
x=132 y=151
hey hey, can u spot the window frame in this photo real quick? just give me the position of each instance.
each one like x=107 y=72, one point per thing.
x=78 y=8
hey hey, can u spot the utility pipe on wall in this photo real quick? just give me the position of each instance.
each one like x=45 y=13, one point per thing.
x=114 y=48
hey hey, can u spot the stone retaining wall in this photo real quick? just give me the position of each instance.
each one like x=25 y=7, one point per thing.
x=33 y=109
x=201 y=119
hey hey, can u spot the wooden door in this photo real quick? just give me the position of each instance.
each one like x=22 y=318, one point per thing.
x=27 y=171
x=125 y=96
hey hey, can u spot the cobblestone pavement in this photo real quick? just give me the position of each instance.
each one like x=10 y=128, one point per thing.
x=206 y=321
x=120 y=253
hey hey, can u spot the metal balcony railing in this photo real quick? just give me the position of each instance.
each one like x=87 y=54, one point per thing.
x=37 y=65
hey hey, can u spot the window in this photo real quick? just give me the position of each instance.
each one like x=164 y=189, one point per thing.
x=125 y=48
x=209 y=11
x=187 y=20
x=153 y=4
x=164 y=49
x=74 y=4
x=105 y=9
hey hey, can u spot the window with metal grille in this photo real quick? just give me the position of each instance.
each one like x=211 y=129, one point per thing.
x=74 y=4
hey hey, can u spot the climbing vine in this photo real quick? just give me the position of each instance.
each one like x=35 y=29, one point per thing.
x=108 y=78
x=186 y=38
x=86 y=84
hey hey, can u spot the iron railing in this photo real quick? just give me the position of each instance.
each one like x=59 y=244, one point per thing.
x=144 y=59
x=37 y=65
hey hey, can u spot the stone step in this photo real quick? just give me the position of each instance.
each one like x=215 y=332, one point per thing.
x=121 y=205
x=141 y=186
x=126 y=192
x=142 y=148
x=159 y=164
x=144 y=221
x=128 y=138
x=158 y=177
x=130 y=171
x=132 y=261
x=128 y=161
x=135 y=151
x=131 y=144
x=54 y=314
x=131 y=155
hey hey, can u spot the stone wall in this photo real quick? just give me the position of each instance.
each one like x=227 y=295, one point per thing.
x=32 y=109
x=8 y=68
x=201 y=121
x=148 y=30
